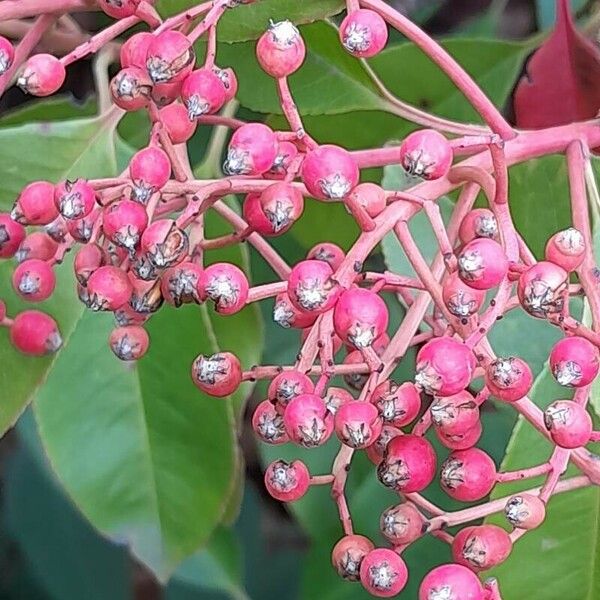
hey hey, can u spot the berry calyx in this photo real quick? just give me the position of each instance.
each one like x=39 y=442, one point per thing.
x=180 y=284
x=285 y=481
x=383 y=573
x=108 y=288
x=217 y=375
x=12 y=235
x=311 y=287
x=129 y=343
x=149 y=170
x=461 y=299
x=226 y=285
x=268 y=425
x=509 y=378
x=398 y=405
x=287 y=315
x=252 y=150
x=402 y=523
x=170 y=57
x=203 y=93
x=307 y=420
x=357 y=424
x=131 y=88
x=330 y=253
x=478 y=223
x=455 y=414
x=348 y=554
x=286 y=386
x=35 y=204
x=541 y=289
x=426 y=153
x=7 y=55
x=566 y=249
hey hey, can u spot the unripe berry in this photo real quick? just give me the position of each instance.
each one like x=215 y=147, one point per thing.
x=282 y=204
x=329 y=253
x=398 y=405
x=119 y=9
x=383 y=573
x=146 y=297
x=455 y=414
x=285 y=481
x=357 y=424
x=286 y=386
x=170 y=57
x=311 y=287
x=468 y=475
x=509 y=379
x=574 y=361
x=36 y=245
x=12 y=235
x=35 y=333
x=268 y=424
x=251 y=151
x=7 y=55
x=478 y=223
x=376 y=450
x=401 y=524
x=164 y=243
x=461 y=299
x=307 y=420
x=179 y=127
x=129 y=343
x=287 y=315
x=525 y=511
x=34 y=280
x=74 y=199
x=355 y=380
x=569 y=424
x=88 y=259
x=482 y=547
x=286 y=153
x=280 y=50
x=108 y=288
x=371 y=197
x=566 y=249
x=541 y=289
x=42 y=75
x=408 y=464
x=426 y=153
x=124 y=222
x=445 y=366
x=337 y=397
x=217 y=375
x=35 y=204
x=363 y=33
x=462 y=440
x=149 y=170
x=179 y=284
x=229 y=81
x=482 y=264
x=131 y=88
x=135 y=49
x=359 y=317
x=347 y=555
x=203 y=93
x=451 y=582
x=226 y=285
x=329 y=172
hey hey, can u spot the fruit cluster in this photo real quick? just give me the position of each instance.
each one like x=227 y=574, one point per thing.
x=141 y=243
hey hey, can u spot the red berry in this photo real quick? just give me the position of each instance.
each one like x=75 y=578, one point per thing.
x=146 y=297
x=229 y=81
x=119 y=9
x=426 y=153
x=109 y=288
x=462 y=440
x=7 y=55
x=124 y=222
x=129 y=343
x=398 y=405
x=268 y=424
x=226 y=285
x=135 y=49
x=307 y=420
x=336 y=397
x=170 y=57
x=566 y=249
x=455 y=414
x=363 y=33
x=286 y=386
x=35 y=204
x=35 y=333
x=217 y=375
x=282 y=204
x=131 y=88
x=87 y=260
x=42 y=75
x=311 y=287
x=203 y=93
x=287 y=315
x=371 y=197
x=509 y=379
x=357 y=424
x=179 y=284
x=175 y=119
x=574 y=361
x=569 y=424
x=461 y=299
x=81 y=229
x=164 y=94
x=347 y=555
x=402 y=524
x=355 y=380
x=482 y=547
x=12 y=235
x=287 y=482
x=468 y=475
x=36 y=245
x=525 y=511
x=541 y=289
x=252 y=150
x=280 y=50
x=34 y=280
x=286 y=153
x=329 y=253
x=164 y=243
x=376 y=450
x=478 y=223
x=451 y=582
x=329 y=172
x=74 y=199
x=383 y=573
x=149 y=170
x=482 y=264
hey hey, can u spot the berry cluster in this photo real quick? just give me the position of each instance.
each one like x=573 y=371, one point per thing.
x=141 y=243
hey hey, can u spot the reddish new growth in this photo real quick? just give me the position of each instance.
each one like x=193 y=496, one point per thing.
x=142 y=241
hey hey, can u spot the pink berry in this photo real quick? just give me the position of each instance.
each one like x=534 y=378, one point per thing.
x=135 y=49
x=451 y=582
x=282 y=204
x=57 y=230
x=87 y=260
x=108 y=288
x=146 y=297
x=445 y=366
x=252 y=150
x=164 y=94
x=7 y=55
x=74 y=199
x=179 y=127
x=124 y=222
x=401 y=524
x=131 y=88
x=226 y=285
x=42 y=75
x=371 y=197
x=398 y=405
x=408 y=464
x=426 y=153
x=170 y=57
x=286 y=154
x=179 y=284
x=203 y=93
x=460 y=441
x=541 y=289
x=229 y=81
x=383 y=573
x=286 y=386
x=566 y=249
x=363 y=33
x=254 y=215
x=268 y=424
x=217 y=375
x=569 y=424
x=127 y=316
x=355 y=380
x=574 y=361
x=307 y=420
x=357 y=424
x=482 y=264
x=329 y=172
x=280 y=50
x=164 y=243
x=311 y=286
x=119 y=9
x=376 y=450
x=36 y=245
x=478 y=223
x=329 y=253
x=347 y=555
x=81 y=229
x=461 y=299
x=525 y=511
x=129 y=343
x=34 y=280
x=337 y=397
x=35 y=333
x=287 y=315
x=12 y=235
x=35 y=204
x=149 y=170
x=360 y=316
x=287 y=482
x=468 y=475
x=509 y=379
x=481 y=547
x=455 y=414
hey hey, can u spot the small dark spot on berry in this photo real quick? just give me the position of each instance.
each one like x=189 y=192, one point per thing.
x=464 y=320
x=482 y=330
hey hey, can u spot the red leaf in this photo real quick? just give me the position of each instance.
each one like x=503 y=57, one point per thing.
x=562 y=80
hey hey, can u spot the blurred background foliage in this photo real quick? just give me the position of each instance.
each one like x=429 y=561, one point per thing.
x=126 y=483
